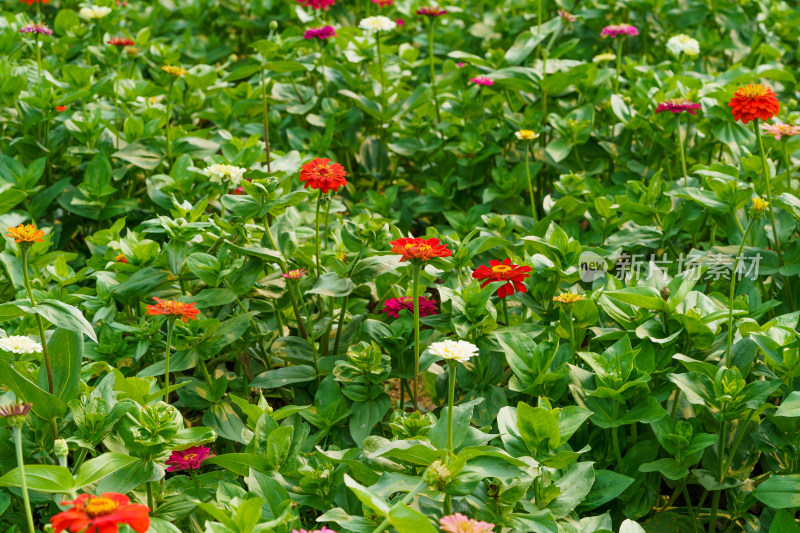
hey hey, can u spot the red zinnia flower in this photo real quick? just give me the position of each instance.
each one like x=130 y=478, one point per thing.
x=61 y=108
x=31 y=2
x=120 y=41
x=496 y=271
x=120 y=259
x=188 y=459
x=316 y=4
x=102 y=514
x=393 y=306
x=754 y=101
x=182 y=310
x=419 y=249
x=324 y=175
x=383 y=3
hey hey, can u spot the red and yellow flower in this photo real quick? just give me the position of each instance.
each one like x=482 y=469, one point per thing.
x=754 y=101
x=26 y=233
x=513 y=275
x=101 y=514
x=419 y=249
x=181 y=310
x=323 y=175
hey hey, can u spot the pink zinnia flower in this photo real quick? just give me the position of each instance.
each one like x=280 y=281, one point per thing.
x=781 y=130
x=317 y=4
x=323 y=530
x=400 y=22
x=41 y=29
x=320 y=33
x=383 y=3
x=678 y=105
x=482 y=80
x=393 y=306
x=460 y=64
x=431 y=11
x=568 y=17
x=619 y=29
x=188 y=459
x=458 y=523
x=295 y=274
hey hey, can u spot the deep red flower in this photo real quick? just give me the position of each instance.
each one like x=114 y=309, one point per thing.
x=393 y=306
x=383 y=3
x=317 y=4
x=324 y=175
x=182 y=310
x=120 y=41
x=31 y=2
x=496 y=271
x=419 y=249
x=188 y=459
x=61 y=108
x=101 y=514
x=678 y=105
x=754 y=101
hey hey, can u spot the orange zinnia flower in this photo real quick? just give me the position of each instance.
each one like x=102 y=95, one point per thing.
x=26 y=233
x=513 y=275
x=754 y=101
x=183 y=311
x=324 y=175
x=120 y=258
x=419 y=249
x=102 y=514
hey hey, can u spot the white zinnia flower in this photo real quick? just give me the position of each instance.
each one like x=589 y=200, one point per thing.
x=95 y=12
x=19 y=345
x=379 y=23
x=683 y=44
x=600 y=58
x=460 y=351
x=220 y=173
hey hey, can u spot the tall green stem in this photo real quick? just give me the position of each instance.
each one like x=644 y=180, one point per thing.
x=169 y=115
x=116 y=96
x=170 y=329
x=619 y=65
x=732 y=293
x=433 y=68
x=408 y=497
x=787 y=163
x=38 y=58
x=21 y=465
x=680 y=146
x=266 y=119
x=451 y=395
x=319 y=201
x=295 y=307
x=415 y=290
x=712 y=520
x=24 y=249
x=765 y=169
x=530 y=184
x=383 y=96
x=505 y=311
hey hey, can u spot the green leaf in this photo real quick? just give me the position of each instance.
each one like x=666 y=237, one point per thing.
x=536 y=425
x=407 y=520
x=66 y=354
x=281 y=377
x=790 y=407
x=240 y=463
x=101 y=466
x=574 y=485
x=783 y=522
x=333 y=285
x=367 y=497
x=607 y=486
x=42 y=478
x=779 y=492
x=63 y=316
x=641 y=296
x=45 y=405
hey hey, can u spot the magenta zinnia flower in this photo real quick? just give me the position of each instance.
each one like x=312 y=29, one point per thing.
x=323 y=530
x=458 y=523
x=431 y=11
x=188 y=459
x=41 y=29
x=678 y=105
x=320 y=33
x=295 y=274
x=393 y=306
x=317 y=4
x=619 y=29
x=482 y=80
x=400 y=22
x=383 y=3
x=781 y=130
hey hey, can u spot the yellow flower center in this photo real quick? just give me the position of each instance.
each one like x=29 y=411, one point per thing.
x=407 y=300
x=190 y=456
x=527 y=135
x=501 y=269
x=100 y=507
x=753 y=90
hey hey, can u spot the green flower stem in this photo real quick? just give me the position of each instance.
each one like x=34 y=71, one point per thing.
x=505 y=311
x=530 y=184
x=680 y=146
x=431 y=26
x=150 y=502
x=319 y=203
x=343 y=310
x=327 y=219
x=266 y=119
x=21 y=465
x=322 y=67
x=408 y=497
x=169 y=114
x=295 y=307
x=787 y=163
x=712 y=520
x=116 y=96
x=415 y=289
x=253 y=324
x=196 y=483
x=765 y=169
x=24 y=250
x=383 y=95
x=38 y=58
x=451 y=394
x=739 y=437
x=619 y=65
x=170 y=329
x=732 y=291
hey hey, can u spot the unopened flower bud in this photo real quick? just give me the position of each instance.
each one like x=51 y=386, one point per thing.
x=436 y=475
x=60 y=448
x=758 y=208
x=665 y=292
x=273 y=24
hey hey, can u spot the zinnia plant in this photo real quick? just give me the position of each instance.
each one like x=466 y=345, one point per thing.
x=15 y=414
x=432 y=13
x=613 y=31
x=783 y=132
x=102 y=514
x=174 y=73
x=677 y=106
x=417 y=251
x=393 y=306
x=513 y=275
x=458 y=523
x=172 y=310
x=526 y=137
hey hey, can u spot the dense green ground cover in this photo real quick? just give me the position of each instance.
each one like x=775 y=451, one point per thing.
x=594 y=212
